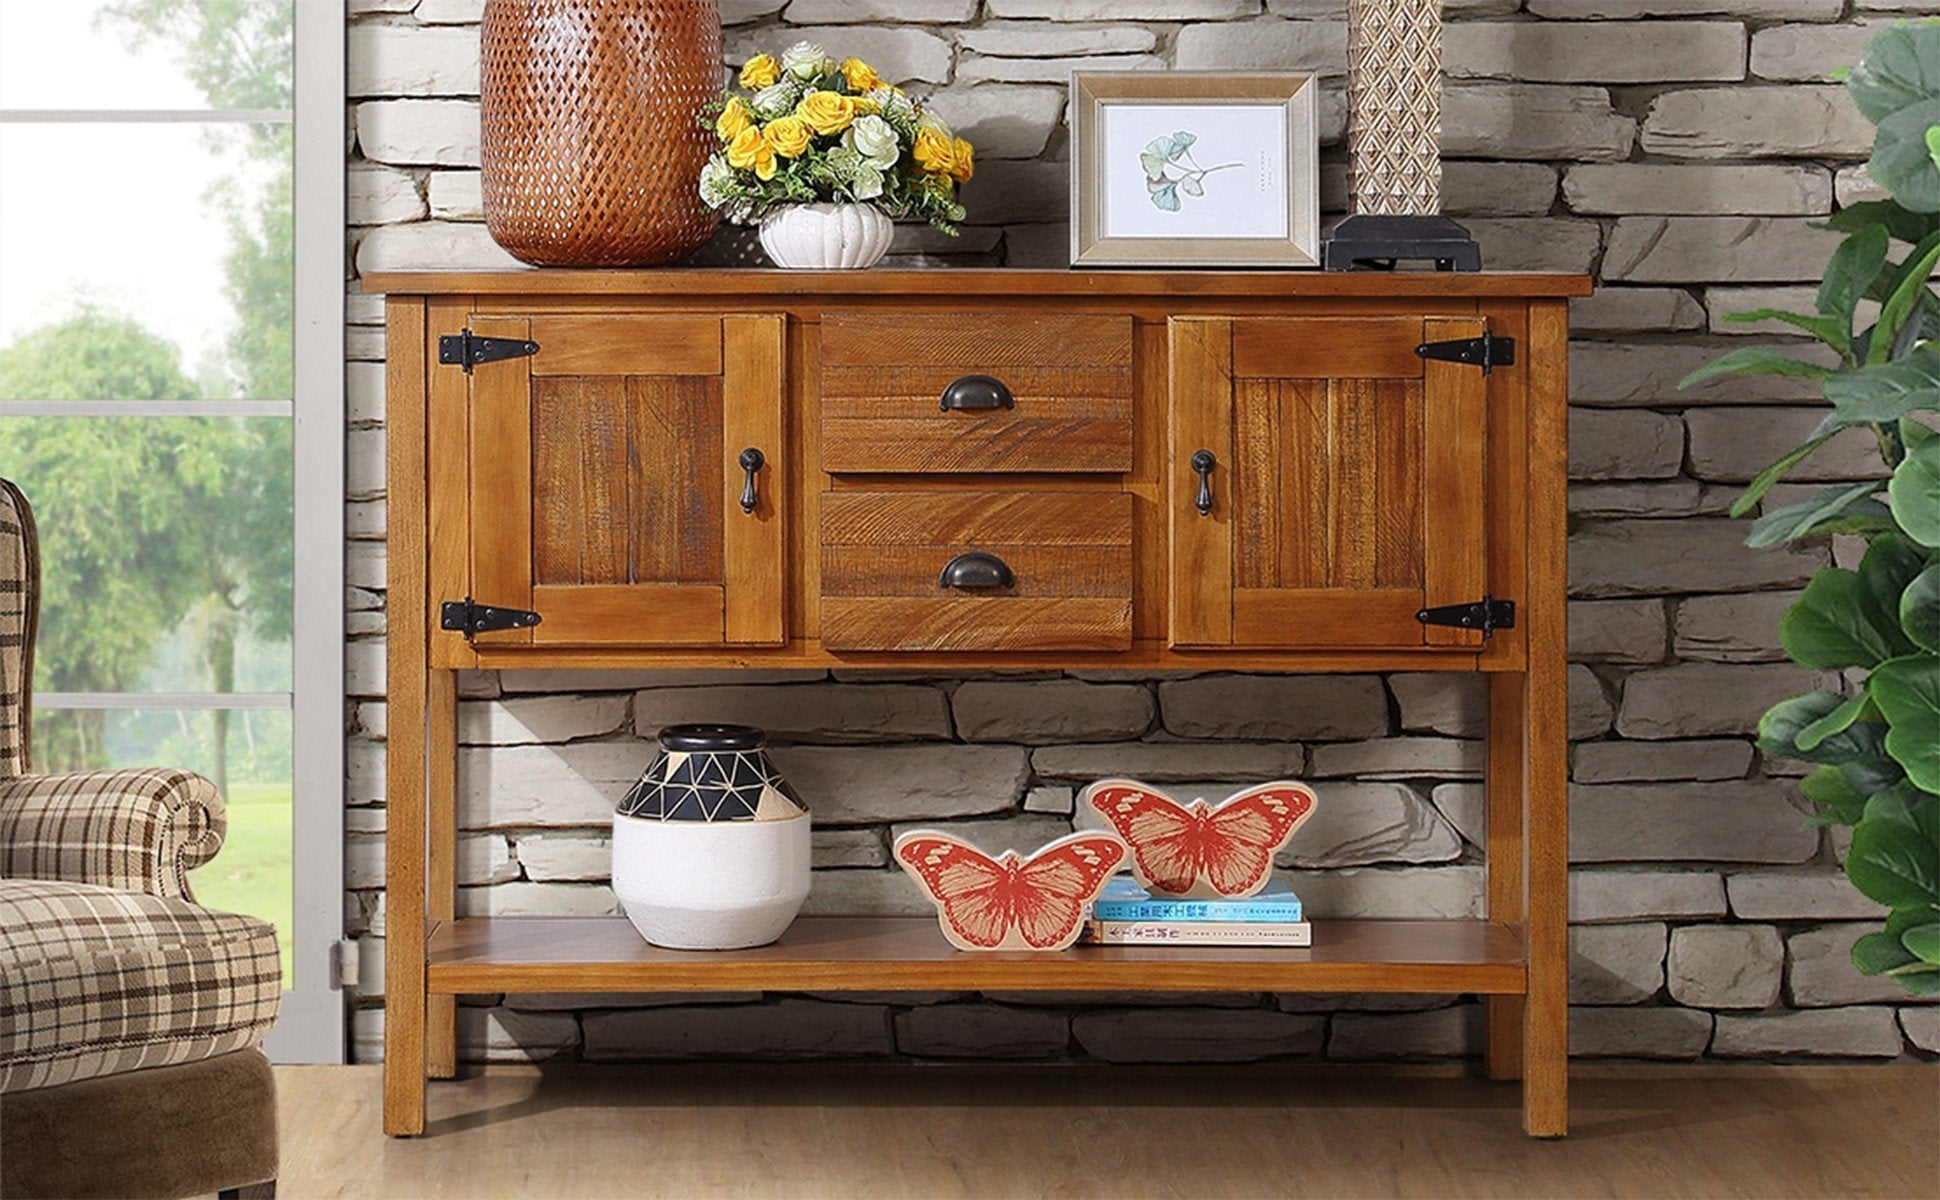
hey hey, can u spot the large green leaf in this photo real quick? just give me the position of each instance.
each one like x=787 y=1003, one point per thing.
x=1889 y=566
x=1834 y=331
x=1854 y=265
x=1907 y=691
x=1826 y=786
x=1757 y=360
x=1765 y=479
x=1900 y=67
x=1900 y=158
x=1915 y=493
x=1828 y=626
x=1837 y=721
x=1923 y=941
x=1879 y=952
x=1908 y=286
x=1842 y=508
x=1901 y=224
x=1920 y=609
x=1857 y=745
x=1887 y=391
x=1896 y=860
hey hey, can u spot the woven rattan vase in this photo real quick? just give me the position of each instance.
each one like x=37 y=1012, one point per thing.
x=591 y=147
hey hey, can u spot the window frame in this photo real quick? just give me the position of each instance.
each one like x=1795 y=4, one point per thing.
x=312 y=1024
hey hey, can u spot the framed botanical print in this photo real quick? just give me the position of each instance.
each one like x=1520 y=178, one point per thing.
x=1194 y=168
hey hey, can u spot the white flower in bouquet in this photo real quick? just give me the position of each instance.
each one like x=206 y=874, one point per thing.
x=896 y=108
x=717 y=182
x=776 y=100
x=875 y=141
x=806 y=61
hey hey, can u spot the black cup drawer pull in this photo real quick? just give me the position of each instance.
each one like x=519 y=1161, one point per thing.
x=976 y=571
x=974 y=392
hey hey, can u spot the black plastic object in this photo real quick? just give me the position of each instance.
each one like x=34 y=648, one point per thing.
x=1377 y=243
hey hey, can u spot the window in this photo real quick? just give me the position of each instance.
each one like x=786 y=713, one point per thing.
x=170 y=400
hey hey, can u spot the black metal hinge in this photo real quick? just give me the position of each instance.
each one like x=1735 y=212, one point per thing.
x=1487 y=351
x=467 y=349
x=471 y=619
x=1487 y=614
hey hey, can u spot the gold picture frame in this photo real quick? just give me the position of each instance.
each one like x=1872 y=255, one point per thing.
x=1267 y=215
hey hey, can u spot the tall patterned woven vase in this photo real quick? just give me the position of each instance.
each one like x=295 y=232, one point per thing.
x=591 y=146
x=1394 y=128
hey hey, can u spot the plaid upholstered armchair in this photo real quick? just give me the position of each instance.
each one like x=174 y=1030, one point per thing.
x=131 y=1018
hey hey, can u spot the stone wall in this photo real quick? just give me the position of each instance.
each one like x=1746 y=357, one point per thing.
x=1676 y=148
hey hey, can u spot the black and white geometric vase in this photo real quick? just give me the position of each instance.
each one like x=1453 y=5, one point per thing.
x=711 y=846
x=712 y=773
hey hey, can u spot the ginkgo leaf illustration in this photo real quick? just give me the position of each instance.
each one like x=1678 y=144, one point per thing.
x=1171 y=169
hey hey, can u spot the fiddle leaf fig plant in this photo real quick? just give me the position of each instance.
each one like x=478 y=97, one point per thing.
x=1875 y=748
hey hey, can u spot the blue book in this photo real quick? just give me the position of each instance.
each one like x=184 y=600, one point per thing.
x=1123 y=900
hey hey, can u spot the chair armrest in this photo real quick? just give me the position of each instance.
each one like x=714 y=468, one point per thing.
x=140 y=830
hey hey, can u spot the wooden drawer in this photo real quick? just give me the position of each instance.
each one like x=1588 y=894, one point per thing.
x=1068 y=556
x=1066 y=400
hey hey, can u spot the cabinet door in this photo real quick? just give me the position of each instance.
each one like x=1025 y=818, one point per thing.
x=1345 y=483
x=607 y=479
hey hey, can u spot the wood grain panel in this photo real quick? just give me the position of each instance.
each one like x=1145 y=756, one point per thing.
x=1326 y=348
x=1396 y=461
x=754 y=554
x=1326 y=617
x=406 y=676
x=448 y=504
x=1453 y=458
x=1065 y=570
x=968 y=519
x=1066 y=418
x=916 y=389
x=987 y=441
x=952 y=622
x=882 y=553
x=628 y=345
x=1201 y=593
x=629 y=614
x=991 y=285
x=565 y=954
x=982 y=341
x=501 y=475
x=1545 y=1049
x=1351 y=505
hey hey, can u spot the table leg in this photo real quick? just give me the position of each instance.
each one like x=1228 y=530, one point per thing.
x=441 y=1012
x=1503 y=783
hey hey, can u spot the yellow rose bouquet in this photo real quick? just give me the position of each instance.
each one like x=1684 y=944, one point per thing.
x=805 y=128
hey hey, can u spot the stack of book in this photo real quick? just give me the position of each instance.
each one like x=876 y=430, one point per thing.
x=1126 y=914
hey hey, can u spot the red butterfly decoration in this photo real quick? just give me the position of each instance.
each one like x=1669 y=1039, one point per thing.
x=1011 y=902
x=1199 y=849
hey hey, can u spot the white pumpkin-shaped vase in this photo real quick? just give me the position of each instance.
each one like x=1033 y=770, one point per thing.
x=710 y=847
x=826 y=236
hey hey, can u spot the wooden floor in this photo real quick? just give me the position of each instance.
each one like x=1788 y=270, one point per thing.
x=890 y=1131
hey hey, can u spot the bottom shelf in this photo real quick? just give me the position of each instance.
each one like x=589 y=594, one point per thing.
x=604 y=954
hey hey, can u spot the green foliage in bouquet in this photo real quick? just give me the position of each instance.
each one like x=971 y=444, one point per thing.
x=805 y=129
x=1877 y=751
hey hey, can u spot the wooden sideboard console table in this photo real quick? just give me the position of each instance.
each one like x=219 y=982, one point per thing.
x=1262 y=471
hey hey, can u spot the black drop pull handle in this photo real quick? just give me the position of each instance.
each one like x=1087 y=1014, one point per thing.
x=1202 y=465
x=974 y=392
x=976 y=571
x=751 y=461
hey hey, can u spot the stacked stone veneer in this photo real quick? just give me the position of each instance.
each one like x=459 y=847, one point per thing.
x=1676 y=148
